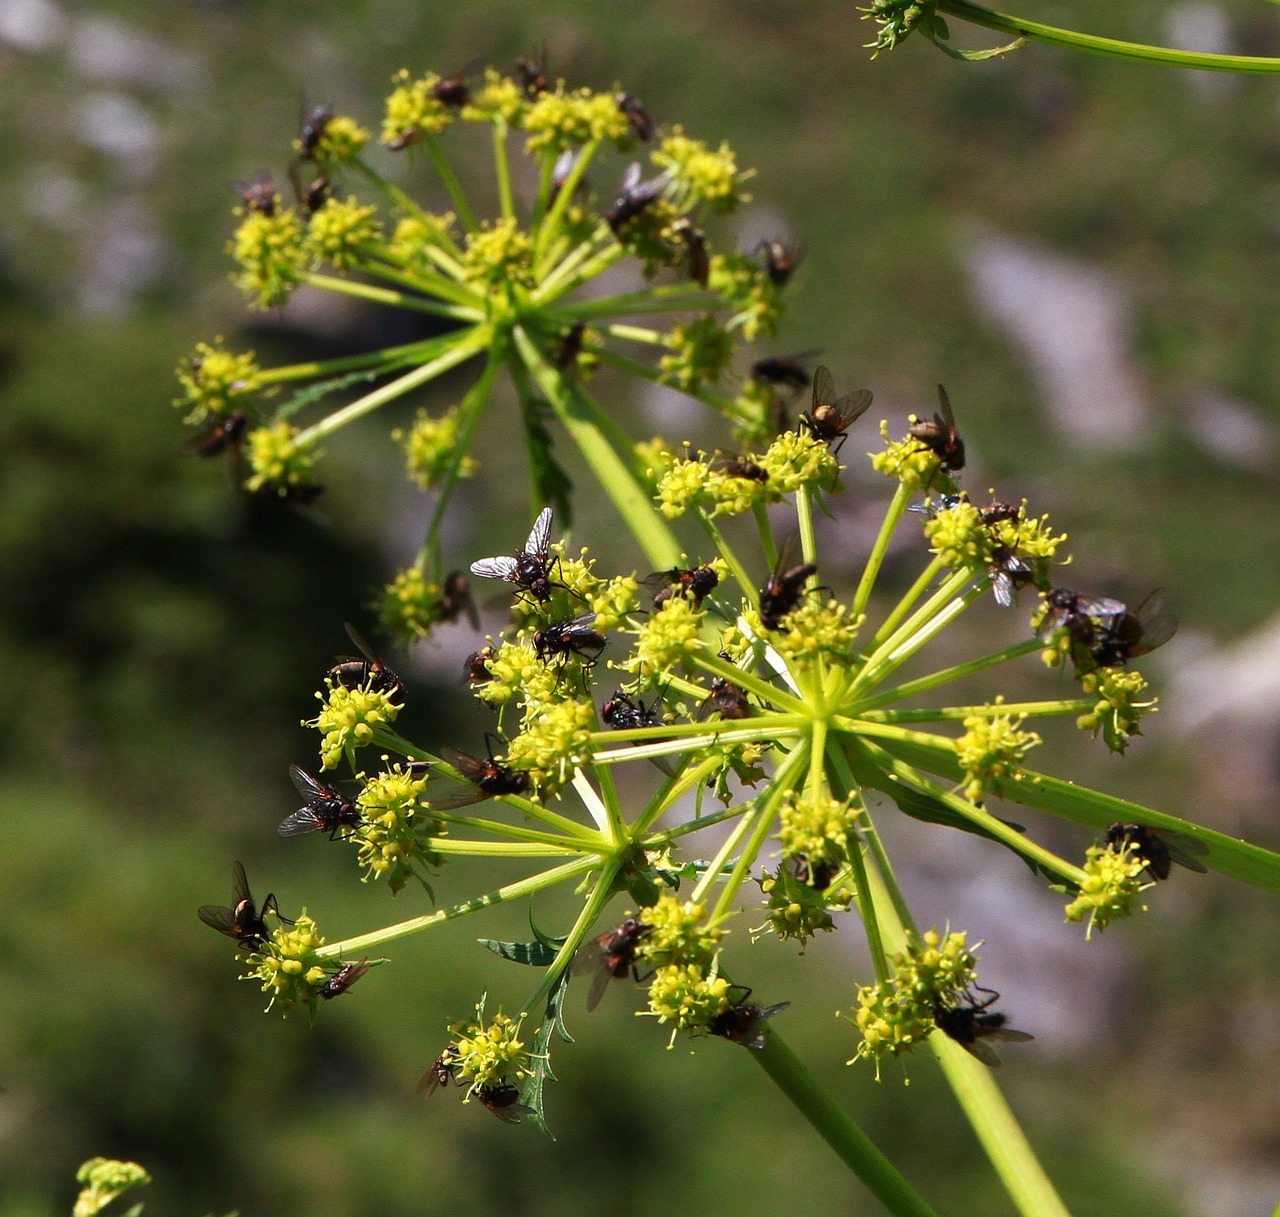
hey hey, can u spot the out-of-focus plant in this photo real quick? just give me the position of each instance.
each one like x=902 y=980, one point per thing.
x=761 y=705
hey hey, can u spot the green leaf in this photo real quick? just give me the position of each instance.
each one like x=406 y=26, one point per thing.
x=540 y=1054
x=322 y=388
x=535 y=954
x=552 y=485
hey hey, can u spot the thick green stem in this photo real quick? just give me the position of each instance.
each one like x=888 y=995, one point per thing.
x=854 y=1148
x=1008 y=24
x=383 y=295
x=451 y=183
x=1000 y=1134
x=936 y=679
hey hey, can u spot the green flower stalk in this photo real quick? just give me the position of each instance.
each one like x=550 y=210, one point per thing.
x=775 y=717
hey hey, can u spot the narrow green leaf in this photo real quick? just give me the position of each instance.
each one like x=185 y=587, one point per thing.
x=540 y=1054
x=535 y=954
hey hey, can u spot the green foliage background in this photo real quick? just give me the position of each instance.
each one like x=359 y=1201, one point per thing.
x=161 y=637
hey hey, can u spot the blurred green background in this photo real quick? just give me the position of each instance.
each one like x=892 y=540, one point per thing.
x=1086 y=252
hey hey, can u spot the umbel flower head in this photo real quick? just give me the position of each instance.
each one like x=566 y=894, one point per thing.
x=775 y=713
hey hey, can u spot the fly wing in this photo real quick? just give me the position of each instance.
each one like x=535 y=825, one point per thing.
x=494 y=568
x=944 y=406
x=1158 y=624
x=240 y=884
x=363 y=647
x=630 y=179
x=306 y=785
x=540 y=534
x=852 y=406
x=824 y=388
x=217 y=917
x=1186 y=851
x=984 y=1052
x=302 y=820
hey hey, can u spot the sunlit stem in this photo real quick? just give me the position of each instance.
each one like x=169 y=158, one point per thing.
x=908 y=601
x=948 y=714
x=388 y=356
x=561 y=277
x=451 y=183
x=391 y=269
x=872 y=570
x=914 y=780
x=651 y=300
x=550 y=224
x=637 y=333
x=760 y=513
x=511 y=891
x=936 y=613
x=469 y=414
x=582 y=841
x=854 y=1148
x=769 y=693
x=984 y=1106
x=382 y=295
x=785 y=778
x=497 y=849
x=804 y=517
x=402 y=200
x=466 y=347
x=502 y=169
x=936 y=679
x=690 y=779
x=1106 y=46
x=601 y=893
x=736 y=568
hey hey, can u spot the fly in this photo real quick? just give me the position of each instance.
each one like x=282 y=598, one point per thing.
x=831 y=416
x=326 y=808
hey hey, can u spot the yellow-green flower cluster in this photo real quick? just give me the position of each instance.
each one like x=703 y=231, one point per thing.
x=288 y=967
x=700 y=352
x=1032 y=539
x=411 y=603
x=819 y=828
x=679 y=934
x=702 y=176
x=102 y=1180
x=276 y=459
x=1118 y=711
x=554 y=742
x=794 y=460
x=413 y=111
x=1110 y=888
x=487 y=1054
x=416 y=236
x=499 y=253
x=342 y=139
x=959 y=537
x=754 y=297
x=914 y=464
x=431 y=448
x=898 y=18
x=666 y=639
x=795 y=910
x=560 y=120
x=341 y=232
x=499 y=97
x=517 y=671
x=213 y=380
x=391 y=826
x=816 y=629
x=991 y=748
x=758 y=413
x=687 y=995
x=895 y=1015
x=691 y=484
x=272 y=255
x=615 y=600
x=348 y=720
x=651 y=236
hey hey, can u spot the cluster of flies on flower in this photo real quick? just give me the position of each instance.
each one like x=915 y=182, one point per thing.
x=1103 y=632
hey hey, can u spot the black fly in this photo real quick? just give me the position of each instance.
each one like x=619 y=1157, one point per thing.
x=1128 y=635
x=785 y=370
x=369 y=671
x=940 y=436
x=782 y=592
x=634 y=196
x=259 y=195
x=744 y=1022
x=241 y=921
x=225 y=435
x=611 y=956
x=456 y=600
x=1158 y=850
x=642 y=124
x=488 y=777
x=697 y=584
x=313 y=129
x=831 y=416
x=971 y=1024
x=326 y=809
x=573 y=636
x=529 y=568
x=695 y=248
x=780 y=260
x=343 y=979
x=623 y=712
